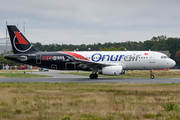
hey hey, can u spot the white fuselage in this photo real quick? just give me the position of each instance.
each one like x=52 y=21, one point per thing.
x=129 y=60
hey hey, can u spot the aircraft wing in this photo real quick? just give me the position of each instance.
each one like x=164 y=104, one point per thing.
x=89 y=64
x=84 y=61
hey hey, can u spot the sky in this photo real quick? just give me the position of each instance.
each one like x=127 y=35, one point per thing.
x=91 y=21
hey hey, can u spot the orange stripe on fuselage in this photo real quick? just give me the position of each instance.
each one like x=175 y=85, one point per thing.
x=78 y=56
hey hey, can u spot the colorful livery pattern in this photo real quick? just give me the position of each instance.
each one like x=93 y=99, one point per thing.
x=99 y=62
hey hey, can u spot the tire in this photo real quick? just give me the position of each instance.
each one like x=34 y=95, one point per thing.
x=93 y=76
x=152 y=76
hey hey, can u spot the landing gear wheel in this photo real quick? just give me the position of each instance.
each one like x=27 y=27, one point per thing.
x=96 y=76
x=93 y=76
x=152 y=76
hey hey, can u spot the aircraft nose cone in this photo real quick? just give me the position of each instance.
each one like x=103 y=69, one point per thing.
x=173 y=63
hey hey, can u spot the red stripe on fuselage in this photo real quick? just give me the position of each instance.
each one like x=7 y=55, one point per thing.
x=20 y=38
x=78 y=56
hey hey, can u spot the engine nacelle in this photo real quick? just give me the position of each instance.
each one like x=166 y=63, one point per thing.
x=112 y=70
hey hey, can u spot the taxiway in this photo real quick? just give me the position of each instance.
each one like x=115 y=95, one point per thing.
x=63 y=78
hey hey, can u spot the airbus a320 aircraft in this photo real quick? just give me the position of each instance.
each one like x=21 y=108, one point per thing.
x=99 y=62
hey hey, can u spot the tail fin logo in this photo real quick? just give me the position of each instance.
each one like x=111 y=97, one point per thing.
x=20 y=38
x=20 y=43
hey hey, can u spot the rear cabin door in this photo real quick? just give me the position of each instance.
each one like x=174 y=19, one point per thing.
x=38 y=58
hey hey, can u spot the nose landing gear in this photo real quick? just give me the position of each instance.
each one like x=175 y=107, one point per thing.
x=151 y=74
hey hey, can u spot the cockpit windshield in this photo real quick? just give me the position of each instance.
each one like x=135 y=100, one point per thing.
x=164 y=57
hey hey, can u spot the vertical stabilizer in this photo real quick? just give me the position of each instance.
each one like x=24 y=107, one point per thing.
x=19 y=43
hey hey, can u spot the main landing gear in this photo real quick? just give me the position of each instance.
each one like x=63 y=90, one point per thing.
x=93 y=76
x=151 y=74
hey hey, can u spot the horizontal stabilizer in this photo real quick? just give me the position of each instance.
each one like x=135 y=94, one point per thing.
x=21 y=58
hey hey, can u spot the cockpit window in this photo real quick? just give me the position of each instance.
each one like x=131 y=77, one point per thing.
x=164 y=57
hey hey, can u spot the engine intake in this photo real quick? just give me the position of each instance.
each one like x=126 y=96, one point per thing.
x=111 y=70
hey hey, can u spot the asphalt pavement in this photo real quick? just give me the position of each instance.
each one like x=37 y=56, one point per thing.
x=58 y=77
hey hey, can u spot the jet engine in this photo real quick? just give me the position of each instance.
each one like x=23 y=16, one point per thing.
x=111 y=70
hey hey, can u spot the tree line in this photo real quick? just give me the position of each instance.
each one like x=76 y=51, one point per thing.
x=154 y=44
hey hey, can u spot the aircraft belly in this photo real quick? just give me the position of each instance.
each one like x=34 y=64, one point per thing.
x=133 y=65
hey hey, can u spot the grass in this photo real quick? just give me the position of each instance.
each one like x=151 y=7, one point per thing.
x=136 y=74
x=89 y=101
x=19 y=74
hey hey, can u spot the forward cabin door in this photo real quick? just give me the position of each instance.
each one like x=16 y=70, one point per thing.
x=151 y=58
